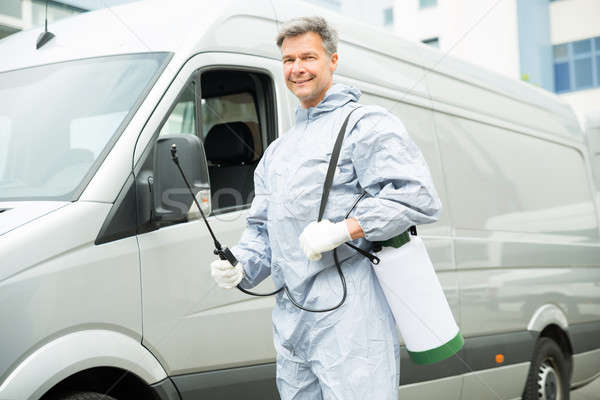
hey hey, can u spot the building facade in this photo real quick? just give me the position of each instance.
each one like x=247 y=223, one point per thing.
x=375 y=12
x=17 y=15
x=575 y=37
x=552 y=44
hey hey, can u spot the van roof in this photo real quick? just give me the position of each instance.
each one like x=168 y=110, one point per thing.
x=188 y=27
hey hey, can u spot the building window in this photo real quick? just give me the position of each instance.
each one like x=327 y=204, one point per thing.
x=577 y=65
x=427 y=3
x=388 y=16
x=56 y=11
x=433 y=42
x=12 y=8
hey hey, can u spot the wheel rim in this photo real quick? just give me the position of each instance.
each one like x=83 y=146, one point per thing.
x=549 y=384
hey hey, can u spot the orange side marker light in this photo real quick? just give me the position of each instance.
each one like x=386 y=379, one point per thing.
x=499 y=358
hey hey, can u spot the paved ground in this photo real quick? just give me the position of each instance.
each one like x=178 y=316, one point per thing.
x=588 y=392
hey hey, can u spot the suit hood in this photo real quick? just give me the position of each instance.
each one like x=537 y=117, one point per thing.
x=336 y=96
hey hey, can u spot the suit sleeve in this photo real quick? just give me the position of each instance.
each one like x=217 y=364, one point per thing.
x=392 y=170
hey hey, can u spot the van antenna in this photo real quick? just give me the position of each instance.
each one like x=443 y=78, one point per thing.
x=45 y=36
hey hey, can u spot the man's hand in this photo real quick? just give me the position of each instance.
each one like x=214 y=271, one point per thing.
x=322 y=236
x=226 y=275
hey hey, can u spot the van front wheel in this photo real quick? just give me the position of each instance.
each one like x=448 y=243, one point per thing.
x=548 y=375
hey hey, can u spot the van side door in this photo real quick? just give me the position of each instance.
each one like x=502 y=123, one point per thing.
x=213 y=342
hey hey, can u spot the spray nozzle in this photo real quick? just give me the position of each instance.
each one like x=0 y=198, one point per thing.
x=174 y=152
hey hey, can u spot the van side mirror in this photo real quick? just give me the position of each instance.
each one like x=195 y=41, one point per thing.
x=171 y=198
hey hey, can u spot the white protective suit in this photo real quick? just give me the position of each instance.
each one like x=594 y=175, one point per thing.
x=351 y=352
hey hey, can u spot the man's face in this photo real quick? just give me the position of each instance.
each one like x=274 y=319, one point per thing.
x=307 y=69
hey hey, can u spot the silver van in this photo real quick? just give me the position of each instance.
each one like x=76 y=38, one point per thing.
x=105 y=288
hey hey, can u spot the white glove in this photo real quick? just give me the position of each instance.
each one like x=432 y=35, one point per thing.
x=322 y=236
x=226 y=275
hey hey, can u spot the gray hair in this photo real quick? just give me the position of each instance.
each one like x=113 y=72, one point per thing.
x=299 y=26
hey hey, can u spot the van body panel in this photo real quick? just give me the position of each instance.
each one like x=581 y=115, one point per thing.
x=481 y=166
x=584 y=336
x=182 y=303
x=484 y=101
x=255 y=382
x=592 y=133
x=383 y=70
x=477 y=359
x=459 y=83
x=65 y=283
x=82 y=219
x=493 y=384
x=78 y=351
x=586 y=366
x=451 y=388
x=15 y=214
x=505 y=299
x=525 y=223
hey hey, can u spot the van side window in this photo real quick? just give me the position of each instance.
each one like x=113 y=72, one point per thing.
x=235 y=107
x=183 y=115
x=228 y=110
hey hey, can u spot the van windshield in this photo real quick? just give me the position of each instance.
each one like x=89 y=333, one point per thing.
x=57 y=121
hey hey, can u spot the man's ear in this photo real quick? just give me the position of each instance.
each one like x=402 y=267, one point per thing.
x=333 y=62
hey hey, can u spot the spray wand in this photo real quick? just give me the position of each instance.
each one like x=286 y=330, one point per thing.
x=223 y=253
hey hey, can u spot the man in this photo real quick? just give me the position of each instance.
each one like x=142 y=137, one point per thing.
x=353 y=351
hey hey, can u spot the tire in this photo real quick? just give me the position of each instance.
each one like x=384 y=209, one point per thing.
x=84 y=396
x=548 y=377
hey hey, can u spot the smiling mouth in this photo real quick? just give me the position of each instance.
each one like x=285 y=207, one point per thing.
x=301 y=82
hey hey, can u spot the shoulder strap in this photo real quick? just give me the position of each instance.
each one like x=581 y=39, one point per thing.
x=332 y=164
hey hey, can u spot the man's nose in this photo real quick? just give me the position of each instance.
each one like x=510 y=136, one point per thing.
x=298 y=66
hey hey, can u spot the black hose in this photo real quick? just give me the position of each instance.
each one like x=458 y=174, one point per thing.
x=225 y=254
x=339 y=269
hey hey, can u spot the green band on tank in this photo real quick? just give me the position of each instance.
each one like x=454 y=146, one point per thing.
x=439 y=353
x=396 y=241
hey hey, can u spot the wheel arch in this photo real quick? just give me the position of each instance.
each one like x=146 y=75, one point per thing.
x=551 y=322
x=111 y=381
x=75 y=352
x=548 y=314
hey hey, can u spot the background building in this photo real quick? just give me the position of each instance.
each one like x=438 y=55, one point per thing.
x=16 y=15
x=551 y=44
x=374 y=12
